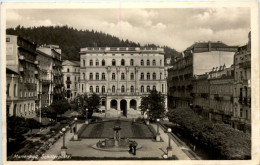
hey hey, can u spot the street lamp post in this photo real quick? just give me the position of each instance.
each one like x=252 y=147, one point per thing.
x=63 y=148
x=158 y=133
x=169 y=148
x=75 y=130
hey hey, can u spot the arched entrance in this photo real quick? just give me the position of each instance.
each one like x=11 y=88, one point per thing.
x=123 y=107
x=133 y=104
x=113 y=104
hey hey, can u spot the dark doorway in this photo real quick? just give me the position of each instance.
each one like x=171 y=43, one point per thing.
x=123 y=107
x=133 y=104
x=113 y=104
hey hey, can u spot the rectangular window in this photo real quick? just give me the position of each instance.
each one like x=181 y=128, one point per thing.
x=7 y=39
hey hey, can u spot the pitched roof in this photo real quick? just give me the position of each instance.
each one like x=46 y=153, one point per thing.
x=75 y=63
x=217 y=44
x=9 y=71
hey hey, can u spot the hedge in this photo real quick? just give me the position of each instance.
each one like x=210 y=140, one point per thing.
x=228 y=142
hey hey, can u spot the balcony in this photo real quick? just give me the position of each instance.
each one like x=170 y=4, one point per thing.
x=68 y=82
x=218 y=97
x=36 y=72
x=192 y=94
x=204 y=95
x=21 y=57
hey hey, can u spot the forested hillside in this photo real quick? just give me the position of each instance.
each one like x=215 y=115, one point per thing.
x=71 y=40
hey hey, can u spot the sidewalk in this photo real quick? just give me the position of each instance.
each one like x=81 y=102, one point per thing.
x=176 y=150
x=55 y=149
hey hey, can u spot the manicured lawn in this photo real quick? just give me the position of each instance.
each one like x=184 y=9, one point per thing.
x=105 y=130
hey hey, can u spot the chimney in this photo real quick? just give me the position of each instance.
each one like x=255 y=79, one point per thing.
x=209 y=46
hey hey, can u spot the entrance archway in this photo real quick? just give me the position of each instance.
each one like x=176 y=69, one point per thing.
x=123 y=108
x=113 y=104
x=133 y=104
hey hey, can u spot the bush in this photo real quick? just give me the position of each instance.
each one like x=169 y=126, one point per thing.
x=228 y=142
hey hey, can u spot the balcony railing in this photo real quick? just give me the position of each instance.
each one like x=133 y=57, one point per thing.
x=204 y=95
x=218 y=97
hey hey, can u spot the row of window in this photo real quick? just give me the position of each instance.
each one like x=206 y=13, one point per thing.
x=123 y=63
x=132 y=89
x=24 y=110
x=103 y=76
x=68 y=70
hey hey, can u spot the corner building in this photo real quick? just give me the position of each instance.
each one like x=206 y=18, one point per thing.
x=121 y=76
x=22 y=77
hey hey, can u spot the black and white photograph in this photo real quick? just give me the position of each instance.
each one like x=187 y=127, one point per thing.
x=163 y=82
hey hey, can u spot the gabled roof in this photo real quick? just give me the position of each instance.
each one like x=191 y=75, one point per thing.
x=71 y=62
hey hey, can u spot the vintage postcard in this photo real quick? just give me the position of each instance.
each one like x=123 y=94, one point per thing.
x=130 y=82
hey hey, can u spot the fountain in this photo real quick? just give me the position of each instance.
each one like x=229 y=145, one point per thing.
x=116 y=143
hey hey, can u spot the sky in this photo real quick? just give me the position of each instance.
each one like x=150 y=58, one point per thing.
x=175 y=27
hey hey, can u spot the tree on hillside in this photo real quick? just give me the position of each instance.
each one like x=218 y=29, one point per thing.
x=155 y=103
x=71 y=40
x=93 y=103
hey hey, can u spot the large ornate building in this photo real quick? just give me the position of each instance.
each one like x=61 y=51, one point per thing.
x=22 y=74
x=121 y=76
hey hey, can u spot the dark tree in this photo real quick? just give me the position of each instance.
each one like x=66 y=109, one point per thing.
x=59 y=107
x=32 y=124
x=71 y=40
x=93 y=103
x=81 y=104
x=155 y=103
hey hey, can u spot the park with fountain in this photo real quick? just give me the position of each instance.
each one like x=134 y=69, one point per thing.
x=117 y=143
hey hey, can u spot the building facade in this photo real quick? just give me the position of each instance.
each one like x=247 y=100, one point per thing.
x=195 y=60
x=242 y=88
x=221 y=81
x=12 y=79
x=213 y=94
x=71 y=78
x=21 y=59
x=121 y=76
x=51 y=81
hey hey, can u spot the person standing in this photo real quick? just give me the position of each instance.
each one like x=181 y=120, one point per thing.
x=130 y=148
x=134 y=146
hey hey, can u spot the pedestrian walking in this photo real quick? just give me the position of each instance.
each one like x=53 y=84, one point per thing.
x=74 y=129
x=70 y=128
x=130 y=148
